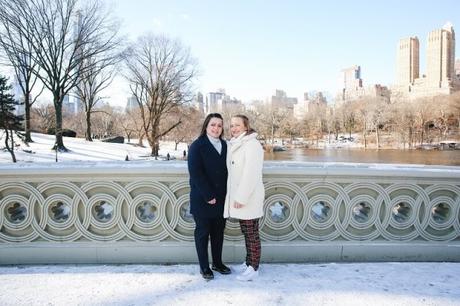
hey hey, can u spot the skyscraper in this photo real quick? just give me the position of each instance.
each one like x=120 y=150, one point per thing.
x=198 y=102
x=440 y=75
x=440 y=55
x=407 y=61
x=350 y=84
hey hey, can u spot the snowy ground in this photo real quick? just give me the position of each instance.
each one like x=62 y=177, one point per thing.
x=278 y=284
x=82 y=150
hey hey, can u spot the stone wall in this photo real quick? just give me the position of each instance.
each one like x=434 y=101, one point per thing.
x=104 y=213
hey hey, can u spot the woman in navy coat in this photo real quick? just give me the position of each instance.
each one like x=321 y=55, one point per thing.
x=208 y=186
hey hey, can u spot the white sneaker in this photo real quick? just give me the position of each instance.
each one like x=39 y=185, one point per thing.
x=248 y=275
x=241 y=268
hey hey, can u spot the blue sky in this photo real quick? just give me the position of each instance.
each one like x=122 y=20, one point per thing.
x=251 y=48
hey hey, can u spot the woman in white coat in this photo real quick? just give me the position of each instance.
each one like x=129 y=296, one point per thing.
x=245 y=190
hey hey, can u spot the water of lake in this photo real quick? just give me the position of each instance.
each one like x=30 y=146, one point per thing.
x=424 y=157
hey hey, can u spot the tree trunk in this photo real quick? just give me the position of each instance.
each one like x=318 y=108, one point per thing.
x=410 y=138
x=140 y=142
x=59 y=144
x=7 y=145
x=28 y=137
x=88 y=126
x=377 y=137
x=364 y=135
x=153 y=140
x=365 y=139
x=155 y=148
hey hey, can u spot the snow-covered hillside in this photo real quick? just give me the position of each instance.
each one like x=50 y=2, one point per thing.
x=82 y=150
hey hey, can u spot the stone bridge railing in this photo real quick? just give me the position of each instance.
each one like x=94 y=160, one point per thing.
x=139 y=213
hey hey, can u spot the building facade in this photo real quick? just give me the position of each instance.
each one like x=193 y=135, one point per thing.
x=440 y=77
x=131 y=103
x=407 y=60
x=352 y=88
x=219 y=101
x=198 y=102
x=282 y=101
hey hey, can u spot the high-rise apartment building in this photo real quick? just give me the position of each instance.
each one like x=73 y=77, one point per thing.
x=351 y=78
x=219 y=102
x=440 y=77
x=352 y=88
x=72 y=103
x=214 y=101
x=198 y=102
x=350 y=84
x=440 y=55
x=131 y=103
x=407 y=61
x=281 y=100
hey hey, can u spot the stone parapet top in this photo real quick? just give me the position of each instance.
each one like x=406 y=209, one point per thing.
x=271 y=167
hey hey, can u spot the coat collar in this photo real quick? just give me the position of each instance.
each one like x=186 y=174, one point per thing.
x=236 y=143
x=210 y=147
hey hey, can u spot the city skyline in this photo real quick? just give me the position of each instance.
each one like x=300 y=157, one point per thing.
x=253 y=48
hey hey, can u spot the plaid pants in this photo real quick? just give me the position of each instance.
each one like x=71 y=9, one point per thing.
x=250 y=229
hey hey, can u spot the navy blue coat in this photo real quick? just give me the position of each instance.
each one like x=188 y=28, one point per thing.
x=208 y=178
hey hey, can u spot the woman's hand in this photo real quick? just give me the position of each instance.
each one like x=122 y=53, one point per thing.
x=237 y=205
x=212 y=202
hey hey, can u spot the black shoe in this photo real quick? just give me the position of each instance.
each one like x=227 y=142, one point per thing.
x=207 y=274
x=222 y=269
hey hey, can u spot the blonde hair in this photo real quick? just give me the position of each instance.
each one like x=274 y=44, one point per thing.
x=246 y=124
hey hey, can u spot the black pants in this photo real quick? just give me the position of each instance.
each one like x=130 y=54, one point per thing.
x=209 y=228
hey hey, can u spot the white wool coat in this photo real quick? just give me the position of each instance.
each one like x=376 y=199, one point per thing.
x=245 y=157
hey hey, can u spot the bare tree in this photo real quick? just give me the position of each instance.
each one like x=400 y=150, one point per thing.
x=362 y=112
x=454 y=107
x=441 y=116
x=189 y=128
x=104 y=123
x=332 y=123
x=131 y=123
x=403 y=121
x=63 y=36
x=422 y=115
x=316 y=118
x=17 y=50
x=95 y=78
x=267 y=120
x=348 y=117
x=43 y=117
x=160 y=73
x=378 y=115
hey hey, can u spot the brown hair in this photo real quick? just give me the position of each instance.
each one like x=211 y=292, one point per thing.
x=206 y=122
x=245 y=119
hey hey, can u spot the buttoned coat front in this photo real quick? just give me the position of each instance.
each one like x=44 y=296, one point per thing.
x=208 y=178
x=244 y=184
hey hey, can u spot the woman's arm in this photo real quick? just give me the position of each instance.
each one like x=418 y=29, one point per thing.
x=252 y=172
x=197 y=174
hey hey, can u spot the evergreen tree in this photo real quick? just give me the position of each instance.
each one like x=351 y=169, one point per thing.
x=9 y=122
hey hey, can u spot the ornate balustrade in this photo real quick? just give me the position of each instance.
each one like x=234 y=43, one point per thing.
x=107 y=213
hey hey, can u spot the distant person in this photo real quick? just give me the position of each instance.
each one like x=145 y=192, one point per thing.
x=168 y=157
x=185 y=155
x=208 y=186
x=245 y=190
